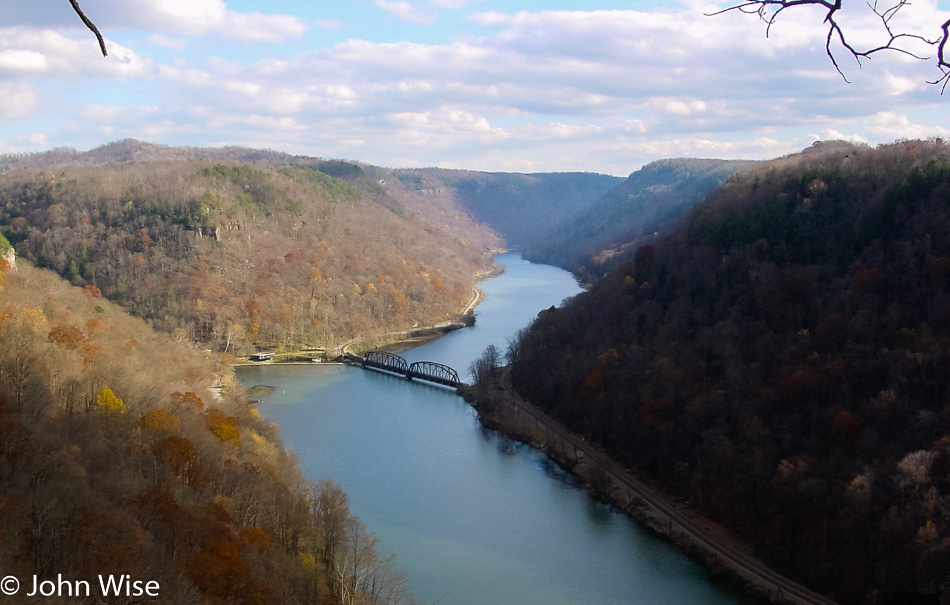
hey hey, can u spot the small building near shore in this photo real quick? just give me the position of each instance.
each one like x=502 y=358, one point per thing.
x=262 y=357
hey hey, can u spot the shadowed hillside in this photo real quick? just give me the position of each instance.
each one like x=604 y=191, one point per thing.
x=652 y=200
x=781 y=362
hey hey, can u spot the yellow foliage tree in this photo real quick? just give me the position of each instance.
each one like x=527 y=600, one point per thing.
x=160 y=420
x=399 y=299
x=224 y=427
x=107 y=400
x=35 y=319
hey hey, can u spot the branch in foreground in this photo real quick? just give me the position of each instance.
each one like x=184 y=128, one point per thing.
x=769 y=10
x=92 y=26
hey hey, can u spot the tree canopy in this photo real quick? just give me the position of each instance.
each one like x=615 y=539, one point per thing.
x=780 y=361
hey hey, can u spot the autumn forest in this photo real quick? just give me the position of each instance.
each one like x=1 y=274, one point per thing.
x=765 y=340
x=780 y=360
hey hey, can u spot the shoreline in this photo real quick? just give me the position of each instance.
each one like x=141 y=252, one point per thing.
x=713 y=545
x=399 y=340
x=721 y=553
x=404 y=340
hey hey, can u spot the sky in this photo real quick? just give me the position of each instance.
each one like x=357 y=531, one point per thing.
x=517 y=86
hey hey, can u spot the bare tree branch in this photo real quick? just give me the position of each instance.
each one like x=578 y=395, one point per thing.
x=942 y=58
x=92 y=26
x=769 y=10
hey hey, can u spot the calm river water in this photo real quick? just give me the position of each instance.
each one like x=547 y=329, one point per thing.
x=473 y=518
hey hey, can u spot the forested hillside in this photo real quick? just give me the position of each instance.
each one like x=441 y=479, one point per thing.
x=651 y=200
x=239 y=256
x=123 y=451
x=782 y=362
x=132 y=150
x=521 y=207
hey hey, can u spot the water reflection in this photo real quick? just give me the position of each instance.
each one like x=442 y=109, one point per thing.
x=473 y=517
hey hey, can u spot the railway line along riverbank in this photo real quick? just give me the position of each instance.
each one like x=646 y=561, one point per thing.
x=501 y=408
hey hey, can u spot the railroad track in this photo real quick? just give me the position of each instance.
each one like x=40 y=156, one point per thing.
x=778 y=587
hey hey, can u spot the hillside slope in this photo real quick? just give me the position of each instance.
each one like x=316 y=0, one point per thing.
x=132 y=150
x=653 y=199
x=240 y=256
x=781 y=362
x=124 y=451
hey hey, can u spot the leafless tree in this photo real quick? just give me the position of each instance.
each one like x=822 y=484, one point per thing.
x=892 y=40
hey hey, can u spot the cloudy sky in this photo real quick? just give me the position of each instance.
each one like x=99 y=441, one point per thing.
x=527 y=86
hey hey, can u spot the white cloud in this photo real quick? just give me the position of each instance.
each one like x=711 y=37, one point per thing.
x=341 y=92
x=272 y=67
x=168 y=42
x=25 y=51
x=833 y=134
x=451 y=4
x=330 y=24
x=19 y=100
x=623 y=80
x=406 y=12
x=109 y=122
x=587 y=90
x=898 y=85
x=183 y=76
x=178 y=16
x=262 y=124
x=116 y=113
x=258 y=27
x=444 y=121
x=706 y=147
x=681 y=107
x=22 y=60
x=890 y=125
x=557 y=131
x=35 y=139
x=174 y=17
x=633 y=126
x=249 y=89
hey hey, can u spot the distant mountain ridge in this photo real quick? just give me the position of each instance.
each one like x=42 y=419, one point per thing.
x=651 y=199
x=133 y=150
x=521 y=207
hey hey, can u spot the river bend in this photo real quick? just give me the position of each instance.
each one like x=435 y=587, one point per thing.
x=472 y=517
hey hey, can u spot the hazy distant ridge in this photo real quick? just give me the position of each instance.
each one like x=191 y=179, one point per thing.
x=521 y=207
x=651 y=199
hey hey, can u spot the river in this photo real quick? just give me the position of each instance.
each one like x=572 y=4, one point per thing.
x=473 y=518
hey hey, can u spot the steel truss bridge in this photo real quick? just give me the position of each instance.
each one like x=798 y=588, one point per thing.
x=429 y=371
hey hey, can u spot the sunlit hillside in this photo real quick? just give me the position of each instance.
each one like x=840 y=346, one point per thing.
x=124 y=451
x=240 y=256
